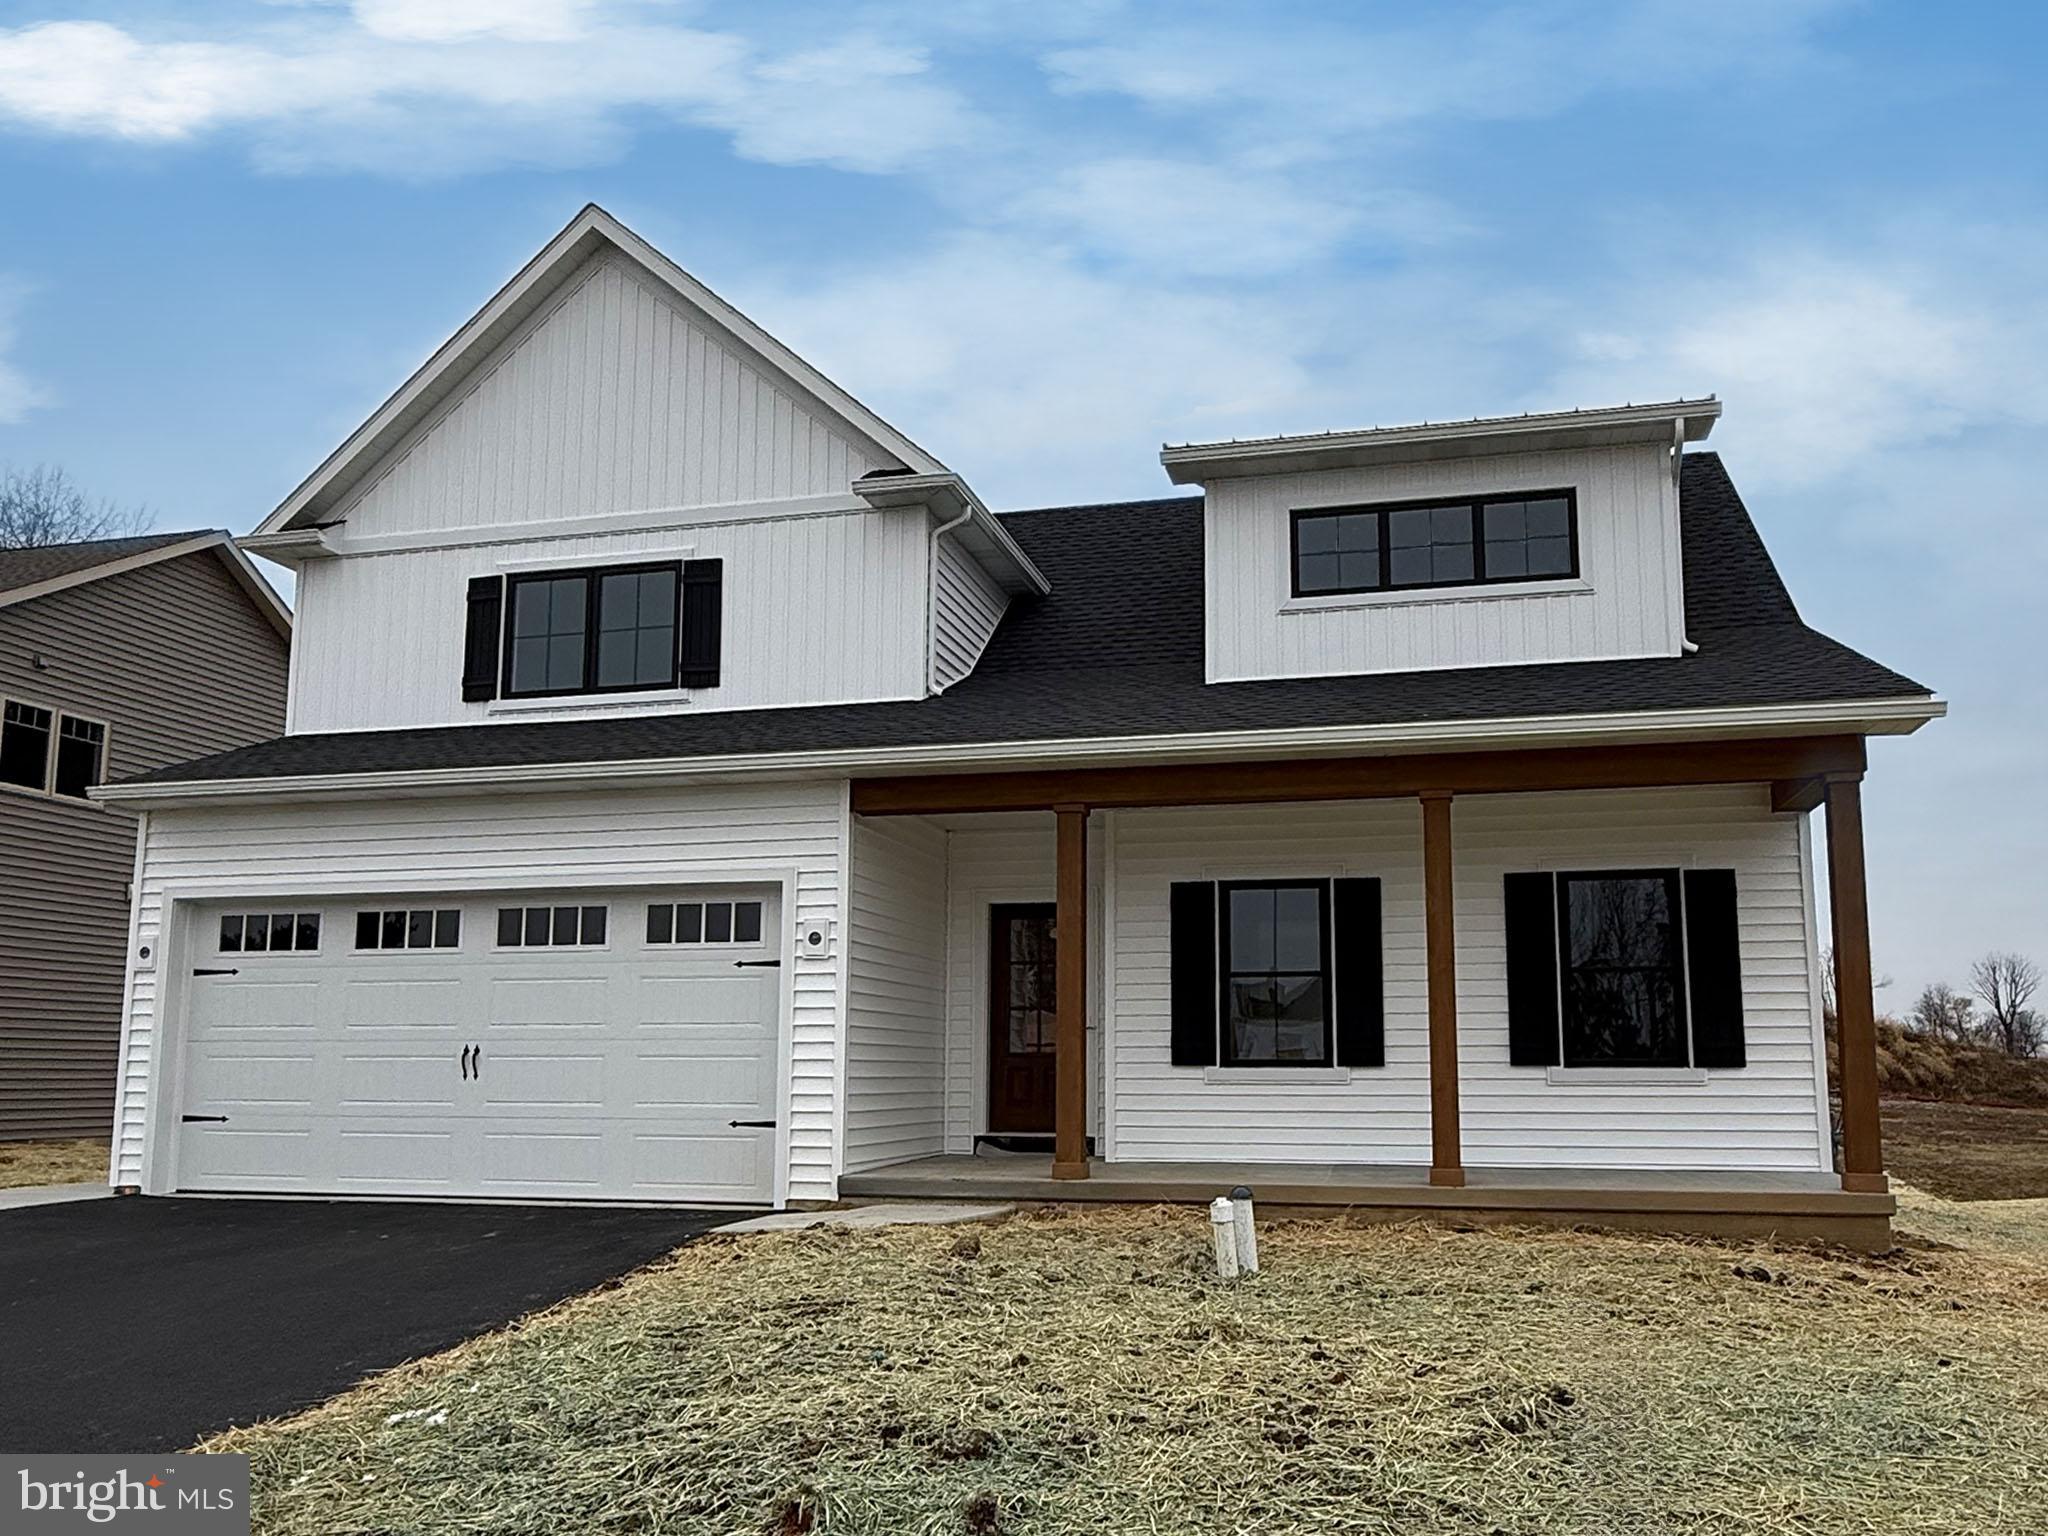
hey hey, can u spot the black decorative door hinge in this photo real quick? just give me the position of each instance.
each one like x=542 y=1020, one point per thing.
x=759 y=1125
x=742 y=965
x=214 y=970
x=204 y=1119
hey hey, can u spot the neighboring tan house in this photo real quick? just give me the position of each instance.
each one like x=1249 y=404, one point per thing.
x=695 y=793
x=117 y=656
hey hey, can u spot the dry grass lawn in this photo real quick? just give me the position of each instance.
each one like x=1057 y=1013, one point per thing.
x=25 y=1163
x=1080 y=1371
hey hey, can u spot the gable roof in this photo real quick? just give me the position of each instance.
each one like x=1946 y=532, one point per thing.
x=593 y=230
x=27 y=574
x=1111 y=659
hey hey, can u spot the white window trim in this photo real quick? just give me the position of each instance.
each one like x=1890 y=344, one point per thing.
x=1300 y=1076
x=621 y=702
x=1402 y=597
x=1611 y=1077
x=58 y=716
x=456 y=948
x=694 y=946
x=295 y=913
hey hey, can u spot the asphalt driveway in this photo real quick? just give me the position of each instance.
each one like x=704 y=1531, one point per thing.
x=146 y=1324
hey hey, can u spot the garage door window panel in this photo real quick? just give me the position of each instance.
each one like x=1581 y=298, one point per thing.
x=409 y=928
x=704 y=922
x=248 y=933
x=553 y=927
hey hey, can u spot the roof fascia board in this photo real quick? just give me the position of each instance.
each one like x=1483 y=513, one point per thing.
x=947 y=495
x=1689 y=420
x=1871 y=717
x=584 y=237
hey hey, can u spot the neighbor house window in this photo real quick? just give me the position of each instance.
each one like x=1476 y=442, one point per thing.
x=244 y=933
x=81 y=753
x=704 y=922
x=1529 y=536
x=592 y=631
x=409 y=928
x=1275 y=944
x=1621 y=969
x=534 y=927
x=25 y=745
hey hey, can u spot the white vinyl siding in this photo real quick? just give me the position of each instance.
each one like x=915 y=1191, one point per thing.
x=895 y=993
x=819 y=609
x=993 y=860
x=966 y=607
x=1767 y=1115
x=615 y=396
x=511 y=841
x=1626 y=602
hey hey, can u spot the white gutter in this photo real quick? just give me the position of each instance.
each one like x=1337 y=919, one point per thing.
x=1864 y=717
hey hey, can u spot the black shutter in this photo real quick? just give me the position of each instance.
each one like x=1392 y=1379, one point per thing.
x=1714 y=966
x=1360 y=977
x=1197 y=985
x=480 y=638
x=1532 y=969
x=703 y=621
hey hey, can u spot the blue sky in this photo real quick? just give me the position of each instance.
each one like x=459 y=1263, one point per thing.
x=1042 y=238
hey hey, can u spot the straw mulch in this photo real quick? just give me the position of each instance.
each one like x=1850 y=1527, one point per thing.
x=27 y=1163
x=1079 y=1371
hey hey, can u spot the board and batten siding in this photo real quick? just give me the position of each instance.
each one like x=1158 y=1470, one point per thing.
x=818 y=609
x=1628 y=601
x=1769 y=1115
x=614 y=396
x=530 y=842
x=967 y=605
x=993 y=859
x=895 y=992
x=178 y=662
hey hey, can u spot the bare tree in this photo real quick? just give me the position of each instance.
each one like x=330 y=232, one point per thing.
x=1945 y=1013
x=1829 y=985
x=41 y=506
x=2005 y=983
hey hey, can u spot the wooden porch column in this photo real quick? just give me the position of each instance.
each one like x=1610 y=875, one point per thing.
x=1446 y=1157
x=1855 y=1026
x=1070 y=1030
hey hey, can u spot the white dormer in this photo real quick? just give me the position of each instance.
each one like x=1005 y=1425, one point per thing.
x=612 y=493
x=1495 y=542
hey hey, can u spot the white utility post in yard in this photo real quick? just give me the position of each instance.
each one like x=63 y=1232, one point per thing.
x=1247 y=1236
x=1223 y=1229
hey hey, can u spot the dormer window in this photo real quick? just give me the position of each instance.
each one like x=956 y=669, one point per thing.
x=593 y=631
x=1457 y=542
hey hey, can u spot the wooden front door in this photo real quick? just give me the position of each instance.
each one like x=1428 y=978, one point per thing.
x=1023 y=995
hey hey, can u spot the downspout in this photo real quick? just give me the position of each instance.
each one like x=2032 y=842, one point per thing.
x=1686 y=643
x=931 y=605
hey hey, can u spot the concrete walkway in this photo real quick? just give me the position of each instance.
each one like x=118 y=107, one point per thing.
x=52 y=1194
x=923 y=1213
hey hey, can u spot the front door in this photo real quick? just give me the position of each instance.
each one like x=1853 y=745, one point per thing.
x=1023 y=994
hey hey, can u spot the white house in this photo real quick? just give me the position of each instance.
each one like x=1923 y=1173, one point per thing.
x=693 y=792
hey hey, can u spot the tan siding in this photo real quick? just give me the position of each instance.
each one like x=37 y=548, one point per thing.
x=179 y=663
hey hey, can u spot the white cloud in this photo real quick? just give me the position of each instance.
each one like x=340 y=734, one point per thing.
x=1824 y=359
x=561 y=78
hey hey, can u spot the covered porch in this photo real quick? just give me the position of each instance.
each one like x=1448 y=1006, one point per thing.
x=1428 y=1132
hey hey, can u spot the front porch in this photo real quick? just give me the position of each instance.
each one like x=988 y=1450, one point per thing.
x=1787 y=1205
x=1429 y=1101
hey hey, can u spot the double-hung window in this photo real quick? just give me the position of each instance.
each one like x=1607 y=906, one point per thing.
x=607 y=630
x=1456 y=542
x=1276 y=973
x=44 y=750
x=1621 y=962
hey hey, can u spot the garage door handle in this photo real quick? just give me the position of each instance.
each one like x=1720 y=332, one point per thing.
x=742 y=965
x=759 y=1125
x=472 y=1061
x=210 y=970
x=207 y=1119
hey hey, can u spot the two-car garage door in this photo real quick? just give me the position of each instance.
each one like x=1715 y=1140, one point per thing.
x=608 y=1045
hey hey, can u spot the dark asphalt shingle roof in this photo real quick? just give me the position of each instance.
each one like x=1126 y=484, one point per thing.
x=31 y=567
x=1116 y=651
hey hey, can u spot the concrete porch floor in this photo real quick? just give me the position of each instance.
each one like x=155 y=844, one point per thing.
x=1788 y=1205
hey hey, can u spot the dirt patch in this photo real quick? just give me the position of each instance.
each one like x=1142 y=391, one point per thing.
x=1084 y=1371
x=1967 y=1151
x=27 y=1163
